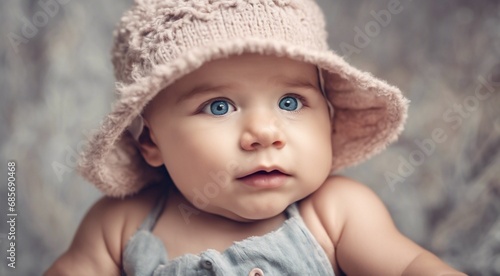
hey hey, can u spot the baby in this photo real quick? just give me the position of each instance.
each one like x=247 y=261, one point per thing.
x=218 y=157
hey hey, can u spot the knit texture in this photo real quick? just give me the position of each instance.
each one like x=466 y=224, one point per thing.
x=160 y=41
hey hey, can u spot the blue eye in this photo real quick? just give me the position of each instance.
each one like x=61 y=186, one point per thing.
x=290 y=103
x=218 y=108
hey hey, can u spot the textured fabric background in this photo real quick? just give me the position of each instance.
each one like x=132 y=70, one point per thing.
x=57 y=85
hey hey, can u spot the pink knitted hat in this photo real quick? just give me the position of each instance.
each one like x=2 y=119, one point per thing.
x=160 y=41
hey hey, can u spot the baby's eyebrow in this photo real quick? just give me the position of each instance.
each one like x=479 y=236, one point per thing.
x=281 y=81
x=202 y=88
x=296 y=83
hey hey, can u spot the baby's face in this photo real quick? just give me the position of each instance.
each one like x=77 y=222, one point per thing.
x=243 y=137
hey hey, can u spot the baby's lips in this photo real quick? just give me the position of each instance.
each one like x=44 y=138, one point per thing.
x=263 y=170
x=265 y=180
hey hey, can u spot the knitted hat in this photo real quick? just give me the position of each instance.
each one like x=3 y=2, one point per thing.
x=159 y=41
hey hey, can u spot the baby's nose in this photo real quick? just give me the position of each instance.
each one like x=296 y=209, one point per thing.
x=262 y=131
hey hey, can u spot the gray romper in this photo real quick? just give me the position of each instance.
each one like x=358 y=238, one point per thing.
x=289 y=250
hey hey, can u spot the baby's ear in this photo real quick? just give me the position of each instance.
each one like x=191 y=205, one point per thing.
x=148 y=147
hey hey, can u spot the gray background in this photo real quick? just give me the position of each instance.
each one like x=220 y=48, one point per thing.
x=58 y=84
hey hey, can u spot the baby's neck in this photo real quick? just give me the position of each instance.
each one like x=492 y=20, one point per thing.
x=204 y=230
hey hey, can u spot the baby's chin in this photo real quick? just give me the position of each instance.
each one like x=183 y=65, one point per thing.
x=255 y=213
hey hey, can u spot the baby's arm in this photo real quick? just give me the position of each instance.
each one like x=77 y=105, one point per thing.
x=96 y=247
x=365 y=238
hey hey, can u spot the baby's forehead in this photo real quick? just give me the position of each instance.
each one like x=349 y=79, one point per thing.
x=253 y=66
x=248 y=59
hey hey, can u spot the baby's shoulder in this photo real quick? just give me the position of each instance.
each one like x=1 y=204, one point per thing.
x=119 y=218
x=97 y=246
x=329 y=207
x=130 y=206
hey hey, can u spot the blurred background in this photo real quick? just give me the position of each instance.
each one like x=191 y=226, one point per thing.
x=440 y=181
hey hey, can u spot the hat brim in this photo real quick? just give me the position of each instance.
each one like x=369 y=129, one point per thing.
x=369 y=113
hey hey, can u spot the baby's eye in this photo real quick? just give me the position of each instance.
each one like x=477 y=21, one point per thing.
x=290 y=103
x=218 y=108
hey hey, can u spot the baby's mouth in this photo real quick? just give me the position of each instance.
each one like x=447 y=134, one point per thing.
x=264 y=179
x=262 y=172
